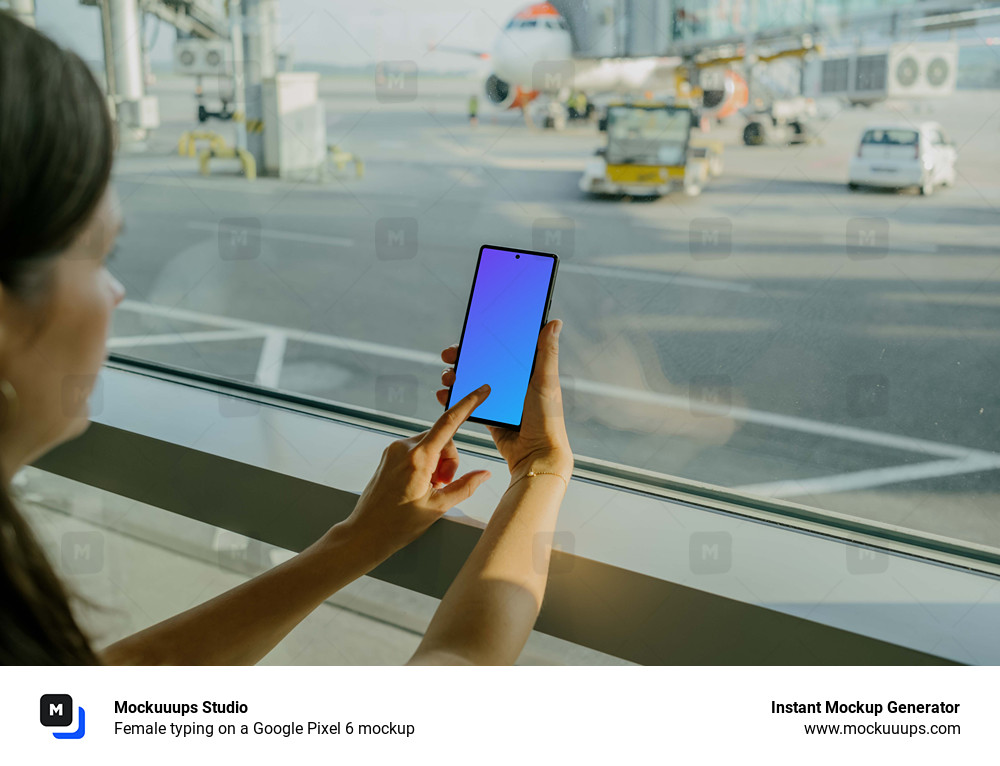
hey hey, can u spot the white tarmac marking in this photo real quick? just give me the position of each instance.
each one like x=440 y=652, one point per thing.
x=787 y=422
x=465 y=178
x=302 y=336
x=272 y=359
x=294 y=236
x=875 y=477
x=653 y=276
x=960 y=459
x=597 y=271
x=216 y=184
x=540 y=163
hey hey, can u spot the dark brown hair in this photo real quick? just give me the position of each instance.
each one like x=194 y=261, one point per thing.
x=56 y=150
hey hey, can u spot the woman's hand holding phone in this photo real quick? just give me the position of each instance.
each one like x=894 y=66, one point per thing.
x=542 y=443
x=415 y=483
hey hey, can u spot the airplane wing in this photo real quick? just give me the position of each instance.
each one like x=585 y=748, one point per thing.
x=462 y=51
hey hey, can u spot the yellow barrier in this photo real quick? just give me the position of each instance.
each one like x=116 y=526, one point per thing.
x=713 y=151
x=246 y=159
x=187 y=145
x=340 y=158
x=709 y=143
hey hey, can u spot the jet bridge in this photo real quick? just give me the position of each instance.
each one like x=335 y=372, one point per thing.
x=709 y=35
x=125 y=57
x=618 y=28
x=688 y=28
x=215 y=39
x=641 y=28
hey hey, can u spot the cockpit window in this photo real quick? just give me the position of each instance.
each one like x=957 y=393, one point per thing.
x=548 y=23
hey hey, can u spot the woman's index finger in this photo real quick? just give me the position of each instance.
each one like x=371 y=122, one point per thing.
x=451 y=420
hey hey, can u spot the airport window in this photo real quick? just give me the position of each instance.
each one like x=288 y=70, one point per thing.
x=771 y=325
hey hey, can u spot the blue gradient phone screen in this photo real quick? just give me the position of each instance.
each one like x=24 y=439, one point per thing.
x=501 y=332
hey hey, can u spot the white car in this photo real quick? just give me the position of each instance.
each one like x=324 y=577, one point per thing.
x=897 y=156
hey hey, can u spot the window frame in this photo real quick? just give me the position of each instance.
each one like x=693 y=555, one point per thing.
x=641 y=631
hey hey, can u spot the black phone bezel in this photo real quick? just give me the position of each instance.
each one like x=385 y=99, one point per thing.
x=545 y=317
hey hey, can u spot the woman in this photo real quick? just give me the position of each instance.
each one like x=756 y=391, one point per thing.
x=58 y=222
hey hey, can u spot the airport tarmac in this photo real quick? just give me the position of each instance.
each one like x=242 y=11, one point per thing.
x=779 y=358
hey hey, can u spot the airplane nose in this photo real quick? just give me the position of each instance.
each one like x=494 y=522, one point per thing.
x=519 y=51
x=508 y=59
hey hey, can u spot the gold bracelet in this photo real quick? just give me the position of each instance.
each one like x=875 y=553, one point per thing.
x=542 y=473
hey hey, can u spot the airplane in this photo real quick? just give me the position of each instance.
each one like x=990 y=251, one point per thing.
x=533 y=60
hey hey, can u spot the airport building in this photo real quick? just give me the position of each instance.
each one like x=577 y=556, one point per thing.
x=776 y=234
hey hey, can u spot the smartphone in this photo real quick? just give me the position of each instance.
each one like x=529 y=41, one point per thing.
x=511 y=295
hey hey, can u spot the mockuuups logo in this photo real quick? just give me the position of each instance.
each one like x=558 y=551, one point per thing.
x=56 y=710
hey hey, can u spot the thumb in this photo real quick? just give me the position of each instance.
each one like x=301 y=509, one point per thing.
x=460 y=489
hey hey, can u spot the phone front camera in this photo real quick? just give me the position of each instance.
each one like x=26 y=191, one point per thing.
x=517 y=256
